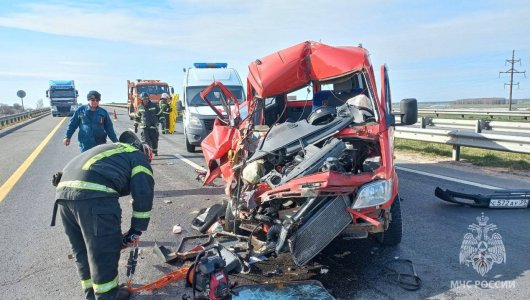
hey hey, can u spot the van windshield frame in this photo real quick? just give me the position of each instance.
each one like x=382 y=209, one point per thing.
x=193 y=97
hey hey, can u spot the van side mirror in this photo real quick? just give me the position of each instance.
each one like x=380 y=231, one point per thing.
x=47 y=95
x=179 y=106
x=76 y=93
x=172 y=90
x=408 y=110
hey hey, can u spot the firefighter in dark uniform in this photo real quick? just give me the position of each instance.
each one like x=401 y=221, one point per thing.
x=164 y=112
x=147 y=117
x=87 y=200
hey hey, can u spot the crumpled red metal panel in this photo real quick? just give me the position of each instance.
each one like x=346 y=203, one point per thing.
x=216 y=146
x=292 y=68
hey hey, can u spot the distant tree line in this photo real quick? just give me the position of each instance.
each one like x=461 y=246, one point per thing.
x=16 y=108
x=498 y=101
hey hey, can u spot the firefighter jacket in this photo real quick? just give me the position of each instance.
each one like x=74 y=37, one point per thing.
x=107 y=171
x=164 y=109
x=94 y=126
x=147 y=115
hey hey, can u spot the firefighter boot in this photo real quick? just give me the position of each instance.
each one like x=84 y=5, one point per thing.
x=123 y=293
x=89 y=294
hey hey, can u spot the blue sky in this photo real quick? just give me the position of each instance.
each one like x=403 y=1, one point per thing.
x=435 y=50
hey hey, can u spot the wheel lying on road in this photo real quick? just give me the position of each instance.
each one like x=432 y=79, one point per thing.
x=392 y=236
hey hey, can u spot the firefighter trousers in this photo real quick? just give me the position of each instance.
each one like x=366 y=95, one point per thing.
x=150 y=136
x=164 y=121
x=93 y=227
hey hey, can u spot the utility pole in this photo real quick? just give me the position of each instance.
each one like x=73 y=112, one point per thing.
x=512 y=71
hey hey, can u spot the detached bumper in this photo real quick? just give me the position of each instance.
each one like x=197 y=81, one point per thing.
x=499 y=199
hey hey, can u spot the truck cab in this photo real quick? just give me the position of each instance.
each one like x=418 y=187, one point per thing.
x=197 y=117
x=154 y=88
x=63 y=97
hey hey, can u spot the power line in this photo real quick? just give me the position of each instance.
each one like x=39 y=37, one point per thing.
x=512 y=71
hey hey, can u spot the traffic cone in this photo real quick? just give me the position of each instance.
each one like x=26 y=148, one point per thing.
x=115 y=116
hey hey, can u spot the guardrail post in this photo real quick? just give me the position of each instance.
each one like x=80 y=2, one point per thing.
x=486 y=124
x=426 y=121
x=456 y=152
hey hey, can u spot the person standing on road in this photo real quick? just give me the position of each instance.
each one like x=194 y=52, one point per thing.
x=87 y=200
x=94 y=124
x=147 y=117
x=164 y=112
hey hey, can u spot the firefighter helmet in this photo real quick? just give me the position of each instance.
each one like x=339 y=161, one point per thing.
x=130 y=138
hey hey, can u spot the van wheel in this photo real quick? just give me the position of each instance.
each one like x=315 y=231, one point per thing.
x=189 y=147
x=392 y=236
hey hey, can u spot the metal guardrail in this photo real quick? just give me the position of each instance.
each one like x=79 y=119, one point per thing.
x=477 y=125
x=121 y=105
x=15 y=118
x=464 y=112
x=458 y=138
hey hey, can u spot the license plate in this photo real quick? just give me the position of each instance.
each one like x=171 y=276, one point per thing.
x=509 y=203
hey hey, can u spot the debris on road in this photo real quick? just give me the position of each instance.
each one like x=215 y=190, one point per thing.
x=514 y=198
x=177 y=229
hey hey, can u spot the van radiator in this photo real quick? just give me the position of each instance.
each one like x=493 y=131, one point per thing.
x=320 y=230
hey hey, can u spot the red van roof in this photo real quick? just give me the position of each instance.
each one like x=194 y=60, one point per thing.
x=292 y=68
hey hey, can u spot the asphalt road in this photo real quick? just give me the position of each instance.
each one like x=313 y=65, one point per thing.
x=34 y=259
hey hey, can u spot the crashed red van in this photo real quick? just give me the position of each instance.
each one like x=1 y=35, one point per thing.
x=300 y=173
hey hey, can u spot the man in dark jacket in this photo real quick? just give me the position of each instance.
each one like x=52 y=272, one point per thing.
x=147 y=118
x=87 y=200
x=94 y=124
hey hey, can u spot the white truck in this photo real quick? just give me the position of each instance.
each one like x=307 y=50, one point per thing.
x=197 y=116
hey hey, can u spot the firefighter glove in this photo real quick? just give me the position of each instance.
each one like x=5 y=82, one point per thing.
x=130 y=238
x=136 y=128
x=56 y=178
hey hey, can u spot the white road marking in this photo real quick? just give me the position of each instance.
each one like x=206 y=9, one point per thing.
x=450 y=179
x=189 y=162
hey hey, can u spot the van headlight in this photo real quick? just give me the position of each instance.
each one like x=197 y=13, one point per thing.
x=373 y=194
x=195 y=122
x=54 y=108
x=73 y=108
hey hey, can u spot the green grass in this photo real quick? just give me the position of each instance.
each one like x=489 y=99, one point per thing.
x=477 y=157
